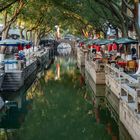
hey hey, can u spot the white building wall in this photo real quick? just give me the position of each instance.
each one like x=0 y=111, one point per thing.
x=130 y=119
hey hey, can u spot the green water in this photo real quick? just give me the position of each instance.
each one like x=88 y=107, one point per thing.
x=63 y=110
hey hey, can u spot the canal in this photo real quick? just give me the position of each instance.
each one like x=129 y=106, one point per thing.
x=67 y=108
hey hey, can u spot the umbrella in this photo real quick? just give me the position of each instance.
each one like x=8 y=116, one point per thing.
x=10 y=42
x=126 y=41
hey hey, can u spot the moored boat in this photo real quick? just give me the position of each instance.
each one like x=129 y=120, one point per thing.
x=18 y=62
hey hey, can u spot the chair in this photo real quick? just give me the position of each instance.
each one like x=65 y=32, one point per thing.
x=131 y=65
x=105 y=60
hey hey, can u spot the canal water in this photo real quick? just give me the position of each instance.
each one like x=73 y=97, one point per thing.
x=65 y=108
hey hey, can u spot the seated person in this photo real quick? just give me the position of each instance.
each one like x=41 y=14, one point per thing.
x=117 y=57
x=94 y=50
x=134 y=57
x=102 y=53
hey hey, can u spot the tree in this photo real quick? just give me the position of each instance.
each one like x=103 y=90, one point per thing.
x=10 y=16
x=4 y=4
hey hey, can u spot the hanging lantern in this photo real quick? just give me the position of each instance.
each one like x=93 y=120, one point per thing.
x=98 y=48
x=28 y=46
x=20 y=47
x=110 y=47
x=114 y=46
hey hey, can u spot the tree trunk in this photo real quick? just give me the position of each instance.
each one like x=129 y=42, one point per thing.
x=5 y=33
x=31 y=36
x=137 y=28
x=117 y=32
x=37 y=38
x=136 y=25
x=21 y=33
x=26 y=35
x=124 y=30
x=5 y=21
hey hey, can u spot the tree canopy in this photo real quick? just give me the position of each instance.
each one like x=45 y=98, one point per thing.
x=40 y=17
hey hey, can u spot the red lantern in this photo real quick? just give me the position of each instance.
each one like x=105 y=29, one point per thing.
x=114 y=46
x=28 y=46
x=20 y=47
x=110 y=47
x=98 y=48
x=95 y=47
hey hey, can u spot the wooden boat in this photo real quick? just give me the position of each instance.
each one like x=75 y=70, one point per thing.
x=1 y=75
x=17 y=70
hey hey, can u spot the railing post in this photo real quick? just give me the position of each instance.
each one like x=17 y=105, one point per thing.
x=120 y=74
x=138 y=78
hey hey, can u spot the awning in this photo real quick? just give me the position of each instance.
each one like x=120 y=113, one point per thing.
x=104 y=42
x=125 y=41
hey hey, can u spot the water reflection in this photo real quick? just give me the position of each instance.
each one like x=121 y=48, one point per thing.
x=65 y=109
x=61 y=112
x=17 y=106
x=106 y=109
x=112 y=103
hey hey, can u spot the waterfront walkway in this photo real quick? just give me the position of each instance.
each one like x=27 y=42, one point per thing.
x=60 y=110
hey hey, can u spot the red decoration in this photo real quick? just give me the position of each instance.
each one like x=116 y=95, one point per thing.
x=81 y=44
x=98 y=48
x=28 y=46
x=110 y=47
x=114 y=46
x=95 y=47
x=20 y=47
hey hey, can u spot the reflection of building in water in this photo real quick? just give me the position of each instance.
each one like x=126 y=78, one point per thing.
x=16 y=106
x=97 y=91
x=112 y=104
x=101 y=112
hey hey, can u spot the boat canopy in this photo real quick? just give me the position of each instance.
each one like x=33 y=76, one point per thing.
x=125 y=41
x=13 y=42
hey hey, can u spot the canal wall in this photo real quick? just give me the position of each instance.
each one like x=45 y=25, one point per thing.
x=114 y=78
